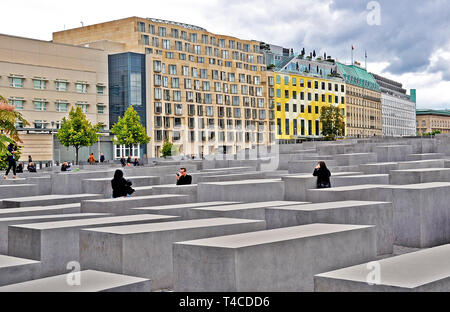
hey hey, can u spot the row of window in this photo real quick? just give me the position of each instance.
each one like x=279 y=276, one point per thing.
x=193 y=37
x=323 y=98
x=42 y=84
x=204 y=136
x=293 y=82
x=298 y=127
x=60 y=105
x=293 y=108
x=199 y=50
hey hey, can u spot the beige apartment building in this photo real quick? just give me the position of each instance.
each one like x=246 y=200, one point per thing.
x=363 y=98
x=429 y=120
x=44 y=80
x=204 y=92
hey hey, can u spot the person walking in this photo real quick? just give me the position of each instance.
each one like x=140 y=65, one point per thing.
x=30 y=159
x=120 y=186
x=183 y=178
x=11 y=159
x=91 y=159
x=323 y=175
x=102 y=157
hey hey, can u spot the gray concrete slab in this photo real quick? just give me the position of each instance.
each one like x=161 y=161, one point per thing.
x=427 y=163
x=40 y=210
x=232 y=177
x=18 y=190
x=5 y=222
x=122 y=206
x=15 y=270
x=425 y=156
x=242 y=191
x=422 y=175
x=57 y=243
x=344 y=212
x=46 y=200
x=256 y=211
x=146 y=250
x=307 y=166
x=181 y=210
x=341 y=193
x=143 y=191
x=378 y=168
x=420 y=271
x=360 y=179
x=389 y=153
x=188 y=190
x=103 y=185
x=295 y=185
x=91 y=281
x=284 y=259
x=355 y=159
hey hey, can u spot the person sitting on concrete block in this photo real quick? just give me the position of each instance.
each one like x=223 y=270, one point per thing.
x=323 y=175
x=183 y=178
x=121 y=187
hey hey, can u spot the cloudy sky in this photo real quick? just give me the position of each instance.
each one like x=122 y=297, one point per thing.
x=406 y=40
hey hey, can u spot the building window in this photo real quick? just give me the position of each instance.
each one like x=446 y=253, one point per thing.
x=40 y=124
x=123 y=150
x=61 y=106
x=16 y=82
x=61 y=85
x=83 y=107
x=158 y=107
x=39 y=84
x=141 y=27
x=145 y=40
x=100 y=109
x=17 y=102
x=162 y=31
x=40 y=105
x=81 y=87
x=100 y=89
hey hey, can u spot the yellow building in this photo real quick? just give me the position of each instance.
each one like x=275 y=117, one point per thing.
x=299 y=99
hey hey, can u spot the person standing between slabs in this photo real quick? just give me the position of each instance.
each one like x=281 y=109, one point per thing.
x=183 y=178
x=11 y=159
x=323 y=175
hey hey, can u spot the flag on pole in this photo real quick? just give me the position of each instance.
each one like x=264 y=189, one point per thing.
x=353 y=48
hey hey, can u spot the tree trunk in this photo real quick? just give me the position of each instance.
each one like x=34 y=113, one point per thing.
x=76 y=155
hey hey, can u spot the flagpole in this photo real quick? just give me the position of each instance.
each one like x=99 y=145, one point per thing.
x=365 y=59
x=352 y=55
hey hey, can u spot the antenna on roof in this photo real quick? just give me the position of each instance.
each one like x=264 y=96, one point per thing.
x=82 y=25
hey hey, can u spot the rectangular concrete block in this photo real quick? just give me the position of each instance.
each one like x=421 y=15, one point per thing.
x=378 y=168
x=242 y=191
x=103 y=185
x=256 y=211
x=389 y=153
x=146 y=250
x=188 y=190
x=122 y=206
x=428 y=163
x=5 y=222
x=344 y=212
x=342 y=193
x=71 y=182
x=40 y=210
x=425 y=156
x=57 y=243
x=420 y=271
x=284 y=259
x=296 y=185
x=422 y=175
x=16 y=270
x=46 y=200
x=360 y=179
x=181 y=210
x=307 y=166
x=18 y=190
x=91 y=281
x=355 y=159
x=232 y=177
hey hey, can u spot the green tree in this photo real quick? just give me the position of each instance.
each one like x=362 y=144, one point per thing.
x=332 y=120
x=128 y=130
x=77 y=131
x=8 y=131
x=166 y=148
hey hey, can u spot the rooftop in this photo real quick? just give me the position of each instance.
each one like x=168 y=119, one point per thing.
x=357 y=76
x=188 y=26
x=442 y=112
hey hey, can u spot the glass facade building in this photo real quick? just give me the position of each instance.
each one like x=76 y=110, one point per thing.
x=126 y=80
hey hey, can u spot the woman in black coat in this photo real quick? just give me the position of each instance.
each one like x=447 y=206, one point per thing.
x=323 y=175
x=120 y=186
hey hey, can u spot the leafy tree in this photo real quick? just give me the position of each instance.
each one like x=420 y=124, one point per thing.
x=166 y=148
x=77 y=131
x=332 y=120
x=128 y=130
x=8 y=131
